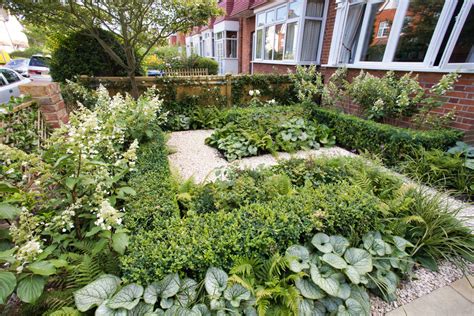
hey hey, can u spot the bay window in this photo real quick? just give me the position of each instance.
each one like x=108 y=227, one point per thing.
x=290 y=33
x=226 y=44
x=404 y=34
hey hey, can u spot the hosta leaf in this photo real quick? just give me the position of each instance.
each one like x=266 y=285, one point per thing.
x=319 y=309
x=201 y=309
x=360 y=259
x=322 y=243
x=42 y=268
x=152 y=292
x=8 y=211
x=215 y=281
x=30 y=288
x=352 y=274
x=141 y=309
x=7 y=285
x=128 y=297
x=187 y=292
x=360 y=295
x=156 y=312
x=217 y=304
x=334 y=260
x=342 y=311
x=305 y=307
x=389 y=280
x=308 y=289
x=170 y=285
x=354 y=307
x=298 y=258
x=401 y=243
x=95 y=293
x=330 y=285
x=235 y=294
x=331 y=303
x=339 y=244
x=120 y=242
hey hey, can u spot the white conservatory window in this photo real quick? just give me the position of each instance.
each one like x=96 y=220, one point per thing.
x=226 y=44
x=291 y=32
x=404 y=34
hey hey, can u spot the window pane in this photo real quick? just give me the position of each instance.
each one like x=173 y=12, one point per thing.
x=417 y=30
x=259 y=44
x=231 y=48
x=295 y=9
x=312 y=30
x=291 y=36
x=281 y=13
x=374 y=47
x=352 y=33
x=269 y=36
x=444 y=42
x=260 y=19
x=279 y=41
x=9 y=75
x=464 y=49
x=314 y=8
x=231 y=34
x=270 y=17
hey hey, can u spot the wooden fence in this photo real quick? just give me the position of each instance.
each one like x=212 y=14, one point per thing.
x=186 y=72
x=38 y=124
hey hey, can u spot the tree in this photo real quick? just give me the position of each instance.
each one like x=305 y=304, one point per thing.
x=138 y=24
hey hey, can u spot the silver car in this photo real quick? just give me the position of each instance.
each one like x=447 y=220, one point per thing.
x=10 y=80
x=36 y=68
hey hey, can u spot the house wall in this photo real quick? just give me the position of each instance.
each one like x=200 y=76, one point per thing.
x=247 y=26
x=272 y=68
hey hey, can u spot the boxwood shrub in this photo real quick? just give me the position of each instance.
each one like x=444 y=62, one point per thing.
x=389 y=142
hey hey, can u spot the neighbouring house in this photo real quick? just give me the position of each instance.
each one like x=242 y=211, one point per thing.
x=429 y=38
x=11 y=33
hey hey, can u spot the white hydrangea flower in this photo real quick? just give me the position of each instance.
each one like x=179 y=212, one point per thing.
x=108 y=216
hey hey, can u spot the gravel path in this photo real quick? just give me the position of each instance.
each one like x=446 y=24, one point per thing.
x=192 y=158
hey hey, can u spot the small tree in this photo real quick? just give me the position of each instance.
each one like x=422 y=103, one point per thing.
x=138 y=24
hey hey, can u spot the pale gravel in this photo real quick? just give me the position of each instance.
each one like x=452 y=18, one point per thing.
x=190 y=157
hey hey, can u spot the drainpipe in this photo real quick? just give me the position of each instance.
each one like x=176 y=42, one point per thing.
x=240 y=43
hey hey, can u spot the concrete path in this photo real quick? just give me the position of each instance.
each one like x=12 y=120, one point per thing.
x=456 y=299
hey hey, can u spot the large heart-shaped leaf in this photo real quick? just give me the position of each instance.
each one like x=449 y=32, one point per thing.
x=339 y=244
x=166 y=303
x=7 y=285
x=352 y=274
x=215 y=281
x=360 y=295
x=360 y=259
x=308 y=289
x=235 y=294
x=344 y=291
x=331 y=303
x=152 y=292
x=201 y=309
x=388 y=279
x=128 y=297
x=8 y=211
x=330 y=284
x=334 y=260
x=95 y=293
x=298 y=258
x=187 y=292
x=42 y=268
x=120 y=242
x=170 y=285
x=104 y=310
x=322 y=242
x=401 y=243
x=141 y=309
x=30 y=288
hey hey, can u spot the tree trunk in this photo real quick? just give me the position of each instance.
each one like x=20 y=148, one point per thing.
x=133 y=82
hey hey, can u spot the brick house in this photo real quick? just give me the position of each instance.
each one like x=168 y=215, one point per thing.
x=429 y=38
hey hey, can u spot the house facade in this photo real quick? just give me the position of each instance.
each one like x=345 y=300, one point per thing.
x=429 y=38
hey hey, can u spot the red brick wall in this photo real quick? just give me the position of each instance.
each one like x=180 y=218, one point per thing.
x=272 y=68
x=461 y=98
x=247 y=26
x=328 y=30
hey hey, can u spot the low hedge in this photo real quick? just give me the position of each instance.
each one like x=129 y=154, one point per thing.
x=389 y=142
x=155 y=195
x=192 y=244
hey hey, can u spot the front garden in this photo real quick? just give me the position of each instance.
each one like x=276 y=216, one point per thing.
x=97 y=221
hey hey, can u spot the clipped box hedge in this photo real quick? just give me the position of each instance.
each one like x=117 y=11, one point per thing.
x=391 y=143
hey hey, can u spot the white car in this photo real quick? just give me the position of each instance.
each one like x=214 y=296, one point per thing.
x=38 y=68
x=10 y=81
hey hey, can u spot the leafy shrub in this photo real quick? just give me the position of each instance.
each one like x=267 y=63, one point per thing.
x=442 y=170
x=74 y=92
x=80 y=54
x=193 y=243
x=308 y=84
x=393 y=144
x=196 y=61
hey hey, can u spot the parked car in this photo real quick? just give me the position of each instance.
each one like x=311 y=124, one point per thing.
x=36 y=67
x=10 y=80
x=20 y=65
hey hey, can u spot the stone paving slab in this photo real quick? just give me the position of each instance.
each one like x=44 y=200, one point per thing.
x=453 y=300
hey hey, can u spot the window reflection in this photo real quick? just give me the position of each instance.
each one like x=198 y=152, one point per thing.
x=464 y=49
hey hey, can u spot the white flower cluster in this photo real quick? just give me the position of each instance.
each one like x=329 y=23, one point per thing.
x=29 y=251
x=254 y=93
x=108 y=216
x=65 y=221
x=131 y=154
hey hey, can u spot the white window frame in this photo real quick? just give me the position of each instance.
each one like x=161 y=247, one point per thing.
x=387 y=62
x=383 y=26
x=300 y=21
x=222 y=41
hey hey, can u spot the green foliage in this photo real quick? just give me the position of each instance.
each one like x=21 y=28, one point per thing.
x=18 y=128
x=74 y=92
x=392 y=144
x=196 y=61
x=308 y=84
x=445 y=170
x=81 y=54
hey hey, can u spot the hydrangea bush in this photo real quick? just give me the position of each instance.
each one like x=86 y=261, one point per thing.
x=69 y=198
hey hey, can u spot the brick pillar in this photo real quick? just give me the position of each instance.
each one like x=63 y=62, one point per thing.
x=50 y=101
